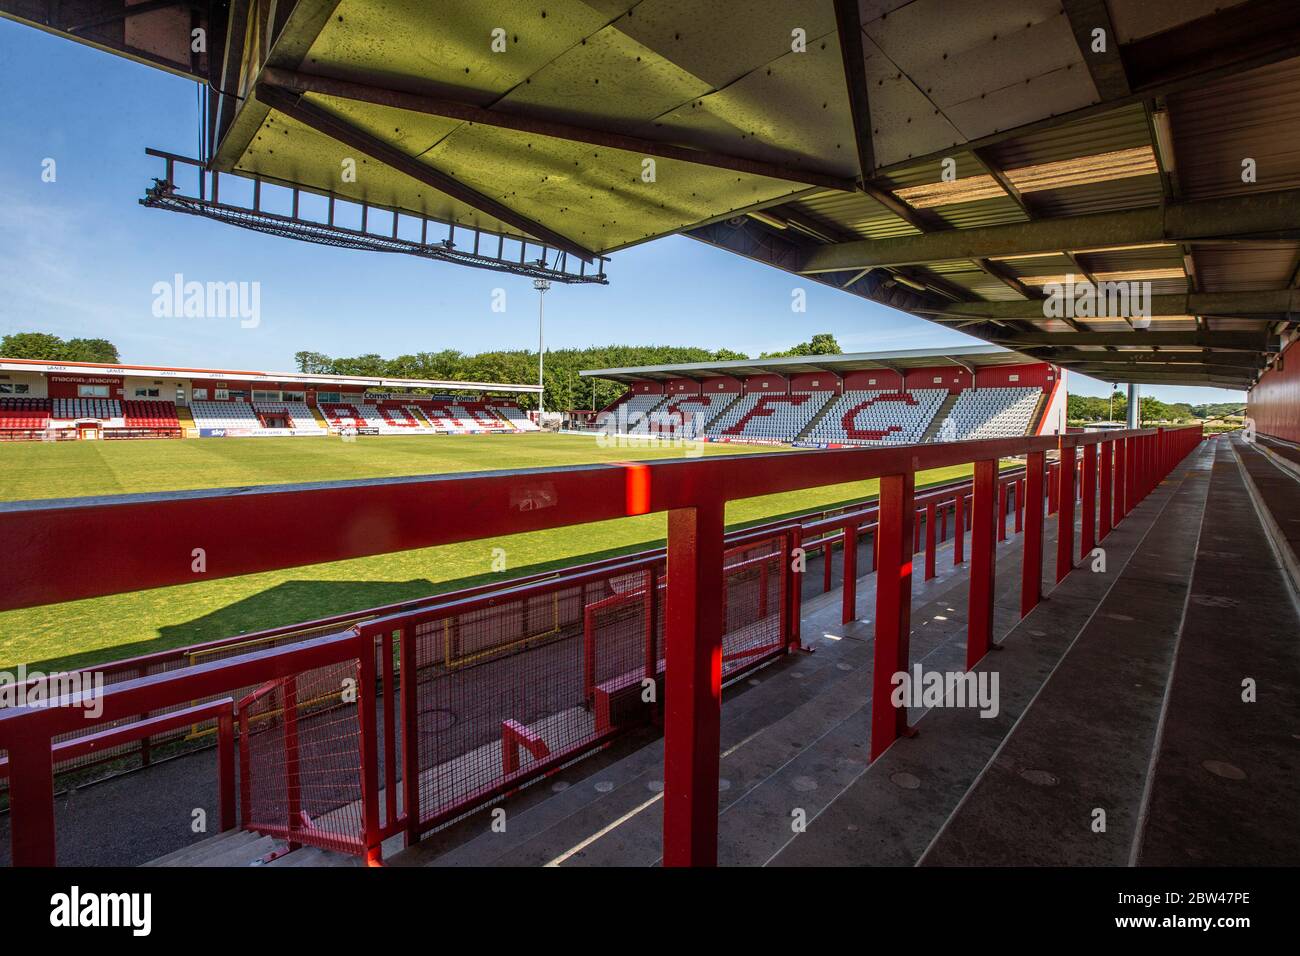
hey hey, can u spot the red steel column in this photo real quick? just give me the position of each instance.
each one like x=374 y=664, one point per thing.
x=693 y=695
x=849 y=596
x=1031 y=579
x=1002 y=511
x=893 y=607
x=1065 y=513
x=1121 y=479
x=983 y=563
x=1088 y=531
x=1020 y=505
x=959 y=529
x=31 y=801
x=929 y=539
x=1107 y=479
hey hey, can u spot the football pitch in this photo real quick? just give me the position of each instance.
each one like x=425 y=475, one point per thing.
x=80 y=633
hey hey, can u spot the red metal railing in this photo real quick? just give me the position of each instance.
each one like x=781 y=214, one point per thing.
x=244 y=530
x=201 y=732
x=27 y=733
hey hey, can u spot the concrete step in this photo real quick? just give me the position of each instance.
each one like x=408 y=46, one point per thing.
x=1223 y=788
x=890 y=814
x=1066 y=786
x=220 y=843
x=315 y=856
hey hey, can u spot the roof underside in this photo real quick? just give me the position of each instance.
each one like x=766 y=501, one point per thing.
x=955 y=160
x=967 y=357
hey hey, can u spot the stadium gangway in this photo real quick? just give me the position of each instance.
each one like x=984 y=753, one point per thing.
x=245 y=530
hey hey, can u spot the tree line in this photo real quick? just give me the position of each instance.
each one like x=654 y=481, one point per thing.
x=1088 y=408
x=563 y=388
x=42 y=346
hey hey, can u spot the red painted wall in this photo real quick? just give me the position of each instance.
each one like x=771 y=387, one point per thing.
x=683 y=386
x=773 y=384
x=1039 y=375
x=950 y=377
x=815 y=382
x=61 y=385
x=723 y=383
x=862 y=381
x=647 y=388
x=1274 y=403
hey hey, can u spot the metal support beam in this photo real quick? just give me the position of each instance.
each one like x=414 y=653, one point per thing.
x=1261 y=341
x=1269 y=305
x=1100 y=51
x=300 y=83
x=323 y=122
x=1275 y=214
x=848 y=24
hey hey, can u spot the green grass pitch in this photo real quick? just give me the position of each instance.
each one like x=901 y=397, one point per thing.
x=79 y=633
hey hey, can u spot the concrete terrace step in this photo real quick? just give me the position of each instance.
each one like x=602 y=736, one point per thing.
x=892 y=812
x=1083 y=747
x=234 y=848
x=1223 y=789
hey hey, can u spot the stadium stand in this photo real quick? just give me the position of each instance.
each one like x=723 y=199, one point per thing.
x=478 y=416
x=146 y=414
x=398 y=416
x=342 y=415
x=769 y=417
x=224 y=415
x=693 y=414
x=879 y=417
x=630 y=416
x=297 y=414
x=515 y=416
x=990 y=413
x=77 y=409
x=24 y=414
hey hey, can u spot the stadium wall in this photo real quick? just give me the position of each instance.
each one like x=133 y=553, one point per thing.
x=1274 y=403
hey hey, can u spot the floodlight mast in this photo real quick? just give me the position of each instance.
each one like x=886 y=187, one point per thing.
x=541 y=285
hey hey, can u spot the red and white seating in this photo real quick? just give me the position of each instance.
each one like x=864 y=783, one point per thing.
x=297 y=415
x=877 y=417
x=630 y=417
x=515 y=416
x=107 y=410
x=150 y=414
x=239 y=415
x=689 y=415
x=990 y=413
x=769 y=417
x=24 y=414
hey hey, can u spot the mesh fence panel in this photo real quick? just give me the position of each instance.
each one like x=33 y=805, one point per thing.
x=505 y=689
x=300 y=741
x=754 y=596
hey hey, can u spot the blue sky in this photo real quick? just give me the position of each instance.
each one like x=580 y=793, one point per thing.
x=81 y=256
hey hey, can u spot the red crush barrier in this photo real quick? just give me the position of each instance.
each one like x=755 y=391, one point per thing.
x=300 y=759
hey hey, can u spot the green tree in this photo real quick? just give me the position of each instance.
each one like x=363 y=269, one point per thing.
x=313 y=363
x=90 y=350
x=34 y=345
x=823 y=343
